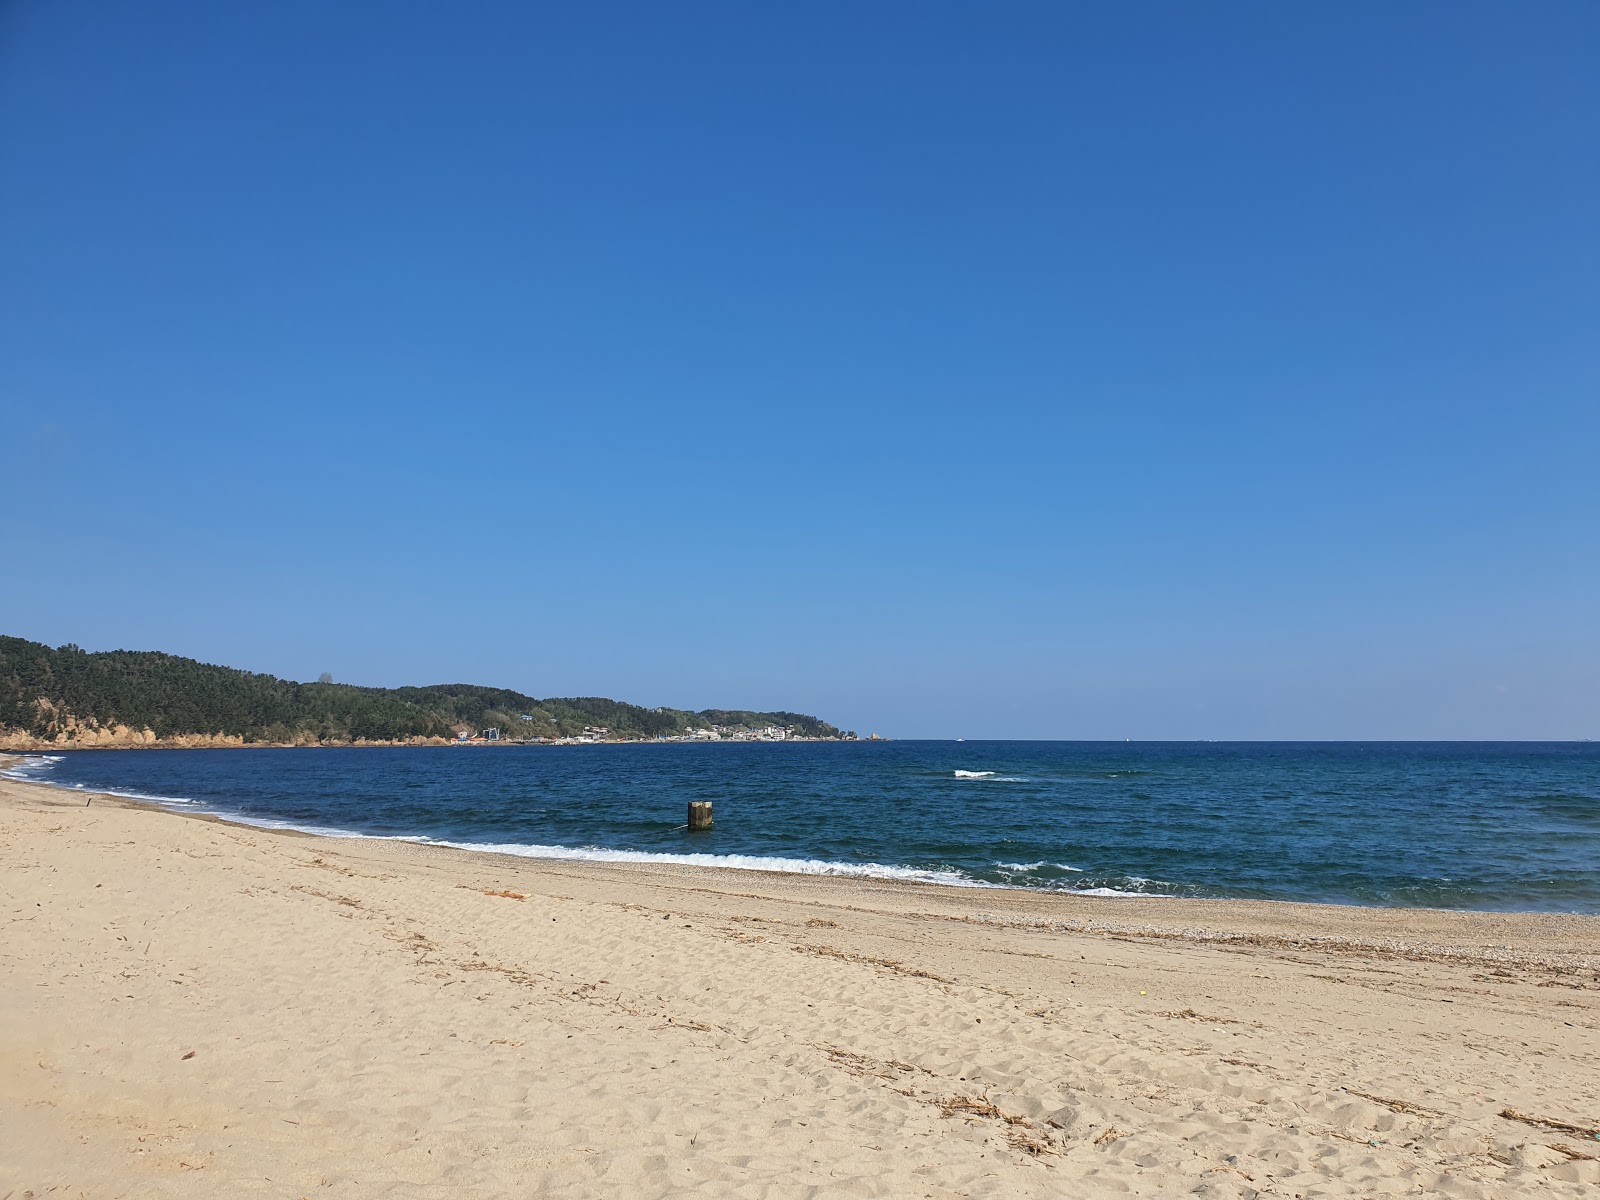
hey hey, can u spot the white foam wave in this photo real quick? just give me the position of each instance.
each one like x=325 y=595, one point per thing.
x=328 y=831
x=737 y=862
x=28 y=767
x=1034 y=866
x=34 y=766
x=973 y=774
x=124 y=794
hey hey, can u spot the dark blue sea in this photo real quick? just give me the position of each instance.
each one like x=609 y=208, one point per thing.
x=1451 y=825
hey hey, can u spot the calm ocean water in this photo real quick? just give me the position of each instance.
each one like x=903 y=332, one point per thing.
x=1456 y=825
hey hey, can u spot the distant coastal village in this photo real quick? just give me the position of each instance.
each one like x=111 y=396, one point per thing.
x=67 y=698
x=596 y=734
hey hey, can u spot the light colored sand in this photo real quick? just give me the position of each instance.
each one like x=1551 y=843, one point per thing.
x=197 y=1009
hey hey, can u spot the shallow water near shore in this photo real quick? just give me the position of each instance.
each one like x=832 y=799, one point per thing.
x=1504 y=826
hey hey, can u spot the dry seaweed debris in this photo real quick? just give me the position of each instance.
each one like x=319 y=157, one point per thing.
x=968 y=1106
x=1020 y=1132
x=891 y=1069
x=319 y=861
x=507 y=895
x=1575 y=1155
x=1189 y=1014
x=347 y=901
x=888 y=964
x=981 y=1106
x=1020 y=1139
x=1399 y=1106
x=1511 y=1114
x=1111 y=1134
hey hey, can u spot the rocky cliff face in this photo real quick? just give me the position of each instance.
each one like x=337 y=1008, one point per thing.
x=115 y=737
x=122 y=738
x=76 y=736
x=66 y=731
x=70 y=733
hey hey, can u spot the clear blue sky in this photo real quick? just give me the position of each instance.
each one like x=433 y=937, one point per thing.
x=1049 y=370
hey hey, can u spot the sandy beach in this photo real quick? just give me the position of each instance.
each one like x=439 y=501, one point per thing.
x=194 y=1008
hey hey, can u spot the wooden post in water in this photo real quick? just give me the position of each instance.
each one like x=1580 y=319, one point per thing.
x=699 y=815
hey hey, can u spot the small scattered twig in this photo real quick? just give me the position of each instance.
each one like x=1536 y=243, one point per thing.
x=1235 y=1170
x=1346 y=1137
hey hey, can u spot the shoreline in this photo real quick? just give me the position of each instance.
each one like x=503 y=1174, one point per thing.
x=1464 y=935
x=197 y=1007
x=1480 y=924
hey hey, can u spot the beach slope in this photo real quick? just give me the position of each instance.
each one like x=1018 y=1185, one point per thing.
x=193 y=1008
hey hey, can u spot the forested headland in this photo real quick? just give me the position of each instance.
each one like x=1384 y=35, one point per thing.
x=65 y=697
